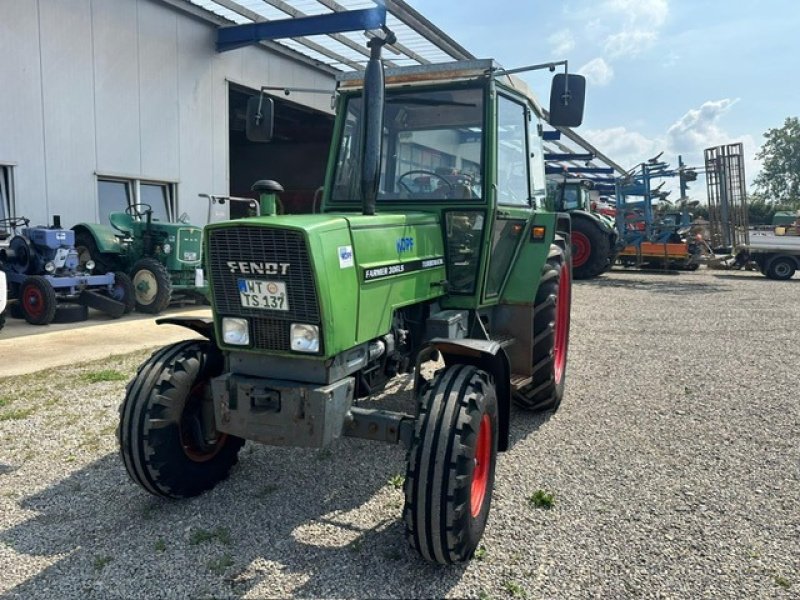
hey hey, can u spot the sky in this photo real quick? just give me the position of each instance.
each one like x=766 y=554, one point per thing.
x=676 y=76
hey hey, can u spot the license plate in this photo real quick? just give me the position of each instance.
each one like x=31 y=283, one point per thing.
x=267 y=295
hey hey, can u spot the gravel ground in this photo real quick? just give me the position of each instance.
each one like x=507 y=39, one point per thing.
x=674 y=463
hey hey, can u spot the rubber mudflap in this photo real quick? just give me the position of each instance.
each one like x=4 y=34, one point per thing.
x=111 y=307
x=67 y=312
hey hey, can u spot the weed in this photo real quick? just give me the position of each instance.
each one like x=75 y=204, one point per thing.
x=17 y=415
x=542 y=499
x=783 y=582
x=515 y=589
x=392 y=554
x=220 y=534
x=265 y=491
x=484 y=595
x=397 y=481
x=5 y=401
x=160 y=545
x=356 y=545
x=104 y=375
x=219 y=565
x=100 y=562
x=324 y=454
x=480 y=553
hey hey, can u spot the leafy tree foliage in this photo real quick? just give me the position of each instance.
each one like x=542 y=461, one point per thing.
x=779 y=180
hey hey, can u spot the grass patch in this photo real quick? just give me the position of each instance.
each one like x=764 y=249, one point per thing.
x=103 y=375
x=356 y=545
x=480 y=553
x=5 y=401
x=783 y=582
x=397 y=481
x=17 y=415
x=220 y=534
x=160 y=545
x=100 y=562
x=483 y=595
x=265 y=491
x=542 y=499
x=515 y=589
x=219 y=565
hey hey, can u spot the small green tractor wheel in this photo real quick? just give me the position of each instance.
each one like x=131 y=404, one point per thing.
x=37 y=299
x=123 y=291
x=167 y=437
x=152 y=286
x=451 y=463
x=781 y=268
x=551 y=320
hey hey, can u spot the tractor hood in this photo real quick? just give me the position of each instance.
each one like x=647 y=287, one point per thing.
x=345 y=273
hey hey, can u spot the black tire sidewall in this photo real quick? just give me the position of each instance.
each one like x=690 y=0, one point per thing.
x=599 y=244
x=163 y=294
x=772 y=271
x=48 y=297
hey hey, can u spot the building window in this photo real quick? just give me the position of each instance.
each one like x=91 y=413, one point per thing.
x=6 y=191
x=115 y=195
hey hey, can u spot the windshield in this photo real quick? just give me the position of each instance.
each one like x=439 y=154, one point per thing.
x=432 y=143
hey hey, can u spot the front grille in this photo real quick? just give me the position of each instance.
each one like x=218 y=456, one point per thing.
x=269 y=329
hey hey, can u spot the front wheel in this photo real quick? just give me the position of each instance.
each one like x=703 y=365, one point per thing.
x=451 y=463
x=37 y=299
x=167 y=435
x=781 y=268
x=551 y=322
x=152 y=286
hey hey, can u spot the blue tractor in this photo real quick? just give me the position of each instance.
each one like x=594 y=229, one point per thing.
x=42 y=268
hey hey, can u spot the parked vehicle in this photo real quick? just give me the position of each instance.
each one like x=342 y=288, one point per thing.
x=42 y=268
x=164 y=260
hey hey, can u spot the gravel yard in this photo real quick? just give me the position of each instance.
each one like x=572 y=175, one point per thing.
x=674 y=465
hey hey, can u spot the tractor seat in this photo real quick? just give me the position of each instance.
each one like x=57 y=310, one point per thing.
x=121 y=222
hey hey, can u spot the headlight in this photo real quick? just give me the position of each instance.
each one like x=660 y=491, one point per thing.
x=305 y=338
x=235 y=331
x=89 y=266
x=50 y=267
x=167 y=248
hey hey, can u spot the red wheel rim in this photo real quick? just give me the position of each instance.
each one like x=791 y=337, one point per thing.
x=581 y=248
x=33 y=298
x=561 y=332
x=483 y=458
x=196 y=450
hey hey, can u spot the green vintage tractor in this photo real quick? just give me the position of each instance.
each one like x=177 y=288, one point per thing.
x=595 y=241
x=433 y=256
x=163 y=259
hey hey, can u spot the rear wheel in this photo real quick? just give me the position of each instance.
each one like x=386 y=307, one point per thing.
x=591 y=249
x=551 y=321
x=451 y=463
x=781 y=268
x=37 y=299
x=152 y=286
x=167 y=437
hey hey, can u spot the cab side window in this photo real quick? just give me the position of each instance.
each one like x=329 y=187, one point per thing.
x=512 y=156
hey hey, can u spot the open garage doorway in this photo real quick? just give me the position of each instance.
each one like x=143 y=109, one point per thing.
x=295 y=157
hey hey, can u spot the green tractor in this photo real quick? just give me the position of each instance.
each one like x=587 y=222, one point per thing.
x=595 y=241
x=162 y=259
x=433 y=255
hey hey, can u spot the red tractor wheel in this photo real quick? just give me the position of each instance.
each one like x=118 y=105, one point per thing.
x=37 y=299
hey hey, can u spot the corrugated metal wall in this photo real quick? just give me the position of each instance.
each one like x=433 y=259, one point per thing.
x=131 y=88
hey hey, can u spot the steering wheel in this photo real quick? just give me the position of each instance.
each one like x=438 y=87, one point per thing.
x=138 y=210
x=15 y=222
x=422 y=172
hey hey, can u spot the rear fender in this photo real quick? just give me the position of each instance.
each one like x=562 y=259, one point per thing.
x=487 y=355
x=203 y=326
x=106 y=239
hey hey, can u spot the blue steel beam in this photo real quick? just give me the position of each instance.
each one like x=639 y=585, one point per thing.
x=237 y=36
x=551 y=136
x=553 y=170
x=576 y=157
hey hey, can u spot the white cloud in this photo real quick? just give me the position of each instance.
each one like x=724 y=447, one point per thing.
x=642 y=20
x=652 y=12
x=561 y=42
x=597 y=71
x=629 y=43
x=625 y=147
x=699 y=128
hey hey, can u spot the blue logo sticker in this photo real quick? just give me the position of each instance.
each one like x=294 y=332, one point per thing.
x=405 y=244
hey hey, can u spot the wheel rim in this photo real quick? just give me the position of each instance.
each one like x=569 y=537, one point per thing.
x=146 y=286
x=561 y=332
x=33 y=301
x=581 y=248
x=782 y=269
x=483 y=458
x=193 y=440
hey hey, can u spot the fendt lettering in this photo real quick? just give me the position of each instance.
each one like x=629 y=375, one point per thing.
x=258 y=268
x=427 y=271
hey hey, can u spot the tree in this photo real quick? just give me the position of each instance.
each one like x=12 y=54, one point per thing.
x=779 y=180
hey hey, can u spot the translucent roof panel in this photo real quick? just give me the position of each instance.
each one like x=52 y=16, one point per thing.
x=418 y=40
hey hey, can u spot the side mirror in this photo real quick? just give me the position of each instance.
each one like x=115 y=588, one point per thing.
x=567 y=97
x=260 y=118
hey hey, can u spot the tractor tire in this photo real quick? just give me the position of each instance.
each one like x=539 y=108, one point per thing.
x=152 y=286
x=163 y=440
x=37 y=299
x=123 y=291
x=591 y=249
x=781 y=268
x=87 y=249
x=69 y=312
x=551 y=320
x=451 y=464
